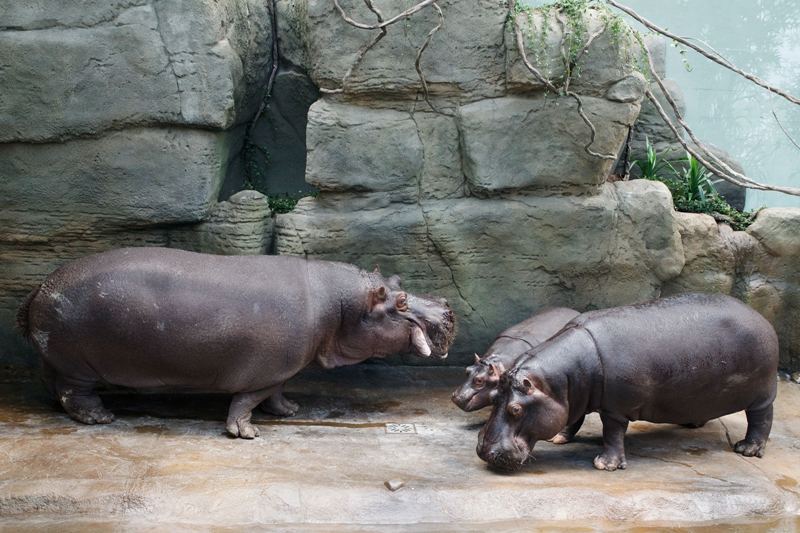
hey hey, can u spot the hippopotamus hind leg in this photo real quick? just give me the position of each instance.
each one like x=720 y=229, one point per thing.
x=568 y=433
x=279 y=405
x=81 y=402
x=613 y=456
x=241 y=411
x=759 y=424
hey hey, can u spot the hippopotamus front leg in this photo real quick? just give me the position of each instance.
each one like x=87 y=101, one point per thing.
x=759 y=424
x=613 y=456
x=241 y=410
x=568 y=433
x=279 y=405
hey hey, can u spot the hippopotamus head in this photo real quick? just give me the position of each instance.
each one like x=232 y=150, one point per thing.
x=479 y=389
x=394 y=321
x=527 y=409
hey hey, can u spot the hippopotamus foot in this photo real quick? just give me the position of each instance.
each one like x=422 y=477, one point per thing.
x=613 y=456
x=759 y=424
x=82 y=404
x=279 y=405
x=241 y=411
x=750 y=449
x=568 y=433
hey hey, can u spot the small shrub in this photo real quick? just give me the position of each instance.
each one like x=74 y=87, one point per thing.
x=285 y=203
x=692 y=189
x=652 y=166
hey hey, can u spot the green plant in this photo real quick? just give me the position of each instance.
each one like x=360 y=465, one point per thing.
x=697 y=186
x=652 y=166
x=285 y=203
x=692 y=189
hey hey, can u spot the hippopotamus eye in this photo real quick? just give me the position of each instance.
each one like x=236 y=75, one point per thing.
x=478 y=382
x=515 y=410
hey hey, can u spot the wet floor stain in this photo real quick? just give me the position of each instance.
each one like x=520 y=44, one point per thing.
x=150 y=430
x=321 y=423
x=58 y=431
x=786 y=483
x=695 y=450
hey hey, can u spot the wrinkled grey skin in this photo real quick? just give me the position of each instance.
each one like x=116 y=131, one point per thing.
x=682 y=360
x=484 y=375
x=158 y=318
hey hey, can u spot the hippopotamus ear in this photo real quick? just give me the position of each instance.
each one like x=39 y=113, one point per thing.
x=477 y=359
x=496 y=369
x=533 y=384
x=394 y=282
x=377 y=296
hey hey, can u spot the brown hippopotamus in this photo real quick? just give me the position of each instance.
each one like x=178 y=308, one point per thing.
x=484 y=375
x=169 y=319
x=683 y=360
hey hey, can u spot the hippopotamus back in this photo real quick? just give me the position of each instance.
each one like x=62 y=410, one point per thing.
x=661 y=359
x=531 y=332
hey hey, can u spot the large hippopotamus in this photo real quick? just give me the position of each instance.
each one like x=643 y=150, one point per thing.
x=484 y=375
x=684 y=360
x=159 y=318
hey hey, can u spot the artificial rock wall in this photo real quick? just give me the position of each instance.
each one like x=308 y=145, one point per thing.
x=489 y=197
x=119 y=123
x=122 y=121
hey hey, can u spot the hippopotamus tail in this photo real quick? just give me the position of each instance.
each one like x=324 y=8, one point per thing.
x=22 y=314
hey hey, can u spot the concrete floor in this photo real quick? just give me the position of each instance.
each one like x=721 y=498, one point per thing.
x=165 y=463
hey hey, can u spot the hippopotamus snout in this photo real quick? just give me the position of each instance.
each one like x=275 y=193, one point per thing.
x=500 y=448
x=463 y=398
x=438 y=320
x=510 y=455
x=469 y=399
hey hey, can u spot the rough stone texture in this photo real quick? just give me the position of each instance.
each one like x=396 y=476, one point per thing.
x=581 y=252
x=771 y=279
x=165 y=464
x=172 y=62
x=352 y=148
x=119 y=122
x=242 y=225
x=711 y=256
x=293 y=33
x=132 y=176
x=537 y=143
x=760 y=266
x=609 y=60
x=465 y=58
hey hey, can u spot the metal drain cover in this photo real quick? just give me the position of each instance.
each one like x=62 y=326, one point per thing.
x=401 y=428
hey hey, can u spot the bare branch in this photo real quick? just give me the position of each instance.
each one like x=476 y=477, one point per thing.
x=746 y=182
x=716 y=165
x=550 y=86
x=275 y=64
x=715 y=57
x=382 y=24
x=784 y=130
x=588 y=122
x=533 y=70
x=422 y=49
x=589 y=42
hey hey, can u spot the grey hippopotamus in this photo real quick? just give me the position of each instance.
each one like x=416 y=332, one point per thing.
x=159 y=318
x=685 y=360
x=484 y=375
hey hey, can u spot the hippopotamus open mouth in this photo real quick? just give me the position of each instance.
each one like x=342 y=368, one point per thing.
x=433 y=325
